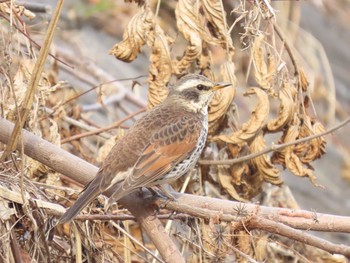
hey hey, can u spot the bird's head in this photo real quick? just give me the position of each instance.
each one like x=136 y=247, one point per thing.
x=195 y=91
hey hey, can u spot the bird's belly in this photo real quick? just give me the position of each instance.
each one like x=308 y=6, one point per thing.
x=186 y=165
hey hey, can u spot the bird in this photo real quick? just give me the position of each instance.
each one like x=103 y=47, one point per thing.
x=161 y=146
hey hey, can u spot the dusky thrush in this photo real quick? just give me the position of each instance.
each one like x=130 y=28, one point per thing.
x=160 y=147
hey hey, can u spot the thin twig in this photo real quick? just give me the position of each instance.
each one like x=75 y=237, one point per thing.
x=99 y=86
x=273 y=148
x=289 y=50
x=97 y=131
x=79 y=124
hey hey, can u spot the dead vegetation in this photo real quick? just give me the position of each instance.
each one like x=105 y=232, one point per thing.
x=242 y=42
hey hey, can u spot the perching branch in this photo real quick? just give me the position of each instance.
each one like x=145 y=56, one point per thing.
x=83 y=172
x=199 y=206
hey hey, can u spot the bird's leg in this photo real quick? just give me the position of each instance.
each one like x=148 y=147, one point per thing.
x=140 y=192
x=166 y=193
x=154 y=192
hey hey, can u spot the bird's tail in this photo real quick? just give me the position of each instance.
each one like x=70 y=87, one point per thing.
x=90 y=193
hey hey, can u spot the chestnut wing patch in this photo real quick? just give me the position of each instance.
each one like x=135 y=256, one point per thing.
x=168 y=147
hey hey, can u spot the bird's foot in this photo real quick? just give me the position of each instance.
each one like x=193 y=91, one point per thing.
x=166 y=193
x=161 y=192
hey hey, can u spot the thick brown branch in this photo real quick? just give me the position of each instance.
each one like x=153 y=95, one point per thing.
x=205 y=207
x=83 y=172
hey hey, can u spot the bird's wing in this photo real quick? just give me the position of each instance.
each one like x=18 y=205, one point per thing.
x=169 y=146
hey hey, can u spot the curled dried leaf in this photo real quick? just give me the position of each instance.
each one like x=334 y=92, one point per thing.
x=189 y=20
x=262 y=163
x=315 y=148
x=294 y=165
x=287 y=156
x=246 y=180
x=235 y=149
x=160 y=68
x=290 y=134
x=213 y=11
x=190 y=23
x=256 y=122
x=264 y=72
x=222 y=98
x=138 y=32
x=205 y=62
x=287 y=96
x=225 y=180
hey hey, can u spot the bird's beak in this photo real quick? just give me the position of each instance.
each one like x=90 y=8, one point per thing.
x=220 y=85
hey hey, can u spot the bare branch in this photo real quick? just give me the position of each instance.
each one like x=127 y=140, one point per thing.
x=273 y=148
x=100 y=130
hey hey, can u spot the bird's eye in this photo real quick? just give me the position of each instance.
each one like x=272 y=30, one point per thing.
x=200 y=87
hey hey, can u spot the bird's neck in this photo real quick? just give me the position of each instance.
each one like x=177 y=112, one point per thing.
x=189 y=106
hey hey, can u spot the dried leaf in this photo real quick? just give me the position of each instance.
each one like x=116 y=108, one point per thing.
x=205 y=62
x=244 y=244
x=261 y=248
x=315 y=148
x=190 y=24
x=235 y=149
x=225 y=180
x=287 y=108
x=54 y=178
x=222 y=98
x=160 y=68
x=290 y=134
x=263 y=164
x=255 y=123
x=296 y=167
x=18 y=9
x=264 y=72
x=288 y=158
x=247 y=182
x=139 y=31
x=213 y=11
